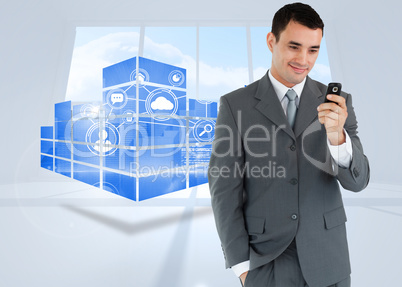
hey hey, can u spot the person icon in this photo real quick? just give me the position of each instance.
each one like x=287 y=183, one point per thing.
x=103 y=141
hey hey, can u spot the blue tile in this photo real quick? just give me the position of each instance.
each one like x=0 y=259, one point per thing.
x=86 y=111
x=63 y=167
x=199 y=108
x=46 y=162
x=86 y=153
x=120 y=184
x=125 y=128
x=121 y=159
x=63 y=130
x=86 y=174
x=156 y=160
x=82 y=128
x=46 y=132
x=164 y=74
x=159 y=184
x=46 y=147
x=63 y=149
x=198 y=175
x=199 y=154
x=62 y=111
x=119 y=73
x=154 y=132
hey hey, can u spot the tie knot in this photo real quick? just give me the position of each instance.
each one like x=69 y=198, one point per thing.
x=291 y=95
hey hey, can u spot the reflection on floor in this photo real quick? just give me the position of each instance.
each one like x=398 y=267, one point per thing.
x=70 y=234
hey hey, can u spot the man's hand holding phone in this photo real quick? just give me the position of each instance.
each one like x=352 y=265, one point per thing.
x=333 y=113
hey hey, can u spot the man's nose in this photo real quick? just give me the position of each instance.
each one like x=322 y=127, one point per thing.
x=302 y=58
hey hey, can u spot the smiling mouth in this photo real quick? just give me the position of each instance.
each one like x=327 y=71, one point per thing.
x=298 y=70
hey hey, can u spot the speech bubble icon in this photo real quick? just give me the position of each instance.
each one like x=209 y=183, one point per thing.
x=116 y=98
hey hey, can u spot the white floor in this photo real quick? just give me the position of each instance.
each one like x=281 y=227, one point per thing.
x=67 y=233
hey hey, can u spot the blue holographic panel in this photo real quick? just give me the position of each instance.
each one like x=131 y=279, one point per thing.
x=63 y=149
x=154 y=132
x=160 y=73
x=86 y=174
x=86 y=153
x=149 y=71
x=63 y=167
x=199 y=154
x=119 y=101
x=46 y=147
x=159 y=184
x=198 y=175
x=121 y=159
x=63 y=130
x=46 y=162
x=119 y=184
x=46 y=132
x=122 y=131
x=158 y=160
x=86 y=111
x=119 y=73
x=158 y=102
x=198 y=108
x=201 y=131
x=62 y=112
x=83 y=128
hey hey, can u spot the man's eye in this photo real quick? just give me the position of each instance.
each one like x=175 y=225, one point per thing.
x=313 y=51
x=293 y=47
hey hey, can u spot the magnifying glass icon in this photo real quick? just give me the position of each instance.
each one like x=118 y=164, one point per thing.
x=207 y=129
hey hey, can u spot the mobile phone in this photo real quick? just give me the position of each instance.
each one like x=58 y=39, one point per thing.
x=333 y=88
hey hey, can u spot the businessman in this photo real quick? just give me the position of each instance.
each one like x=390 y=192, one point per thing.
x=279 y=155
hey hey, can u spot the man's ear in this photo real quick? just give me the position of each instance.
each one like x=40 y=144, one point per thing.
x=271 y=40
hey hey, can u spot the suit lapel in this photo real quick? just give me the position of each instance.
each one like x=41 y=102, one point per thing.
x=270 y=106
x=310 y=99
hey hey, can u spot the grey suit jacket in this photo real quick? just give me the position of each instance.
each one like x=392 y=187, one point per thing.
x=270 y=184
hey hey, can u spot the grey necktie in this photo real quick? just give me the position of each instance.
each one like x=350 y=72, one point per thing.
x=291 y=111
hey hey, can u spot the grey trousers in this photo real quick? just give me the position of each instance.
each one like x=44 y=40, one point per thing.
x=284 y=271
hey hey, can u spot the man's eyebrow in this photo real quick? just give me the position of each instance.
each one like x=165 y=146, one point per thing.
x=295 y=43
x=298 y=44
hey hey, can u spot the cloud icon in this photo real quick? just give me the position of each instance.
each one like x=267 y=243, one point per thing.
x=161 y=103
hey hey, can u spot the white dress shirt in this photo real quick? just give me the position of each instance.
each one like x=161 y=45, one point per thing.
x=341 y=154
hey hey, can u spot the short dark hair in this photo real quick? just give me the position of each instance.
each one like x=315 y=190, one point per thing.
x=298 y=12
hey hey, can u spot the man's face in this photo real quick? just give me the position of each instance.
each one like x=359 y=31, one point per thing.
x=294 y=55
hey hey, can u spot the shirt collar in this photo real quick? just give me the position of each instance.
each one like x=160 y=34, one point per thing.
x=281 y=89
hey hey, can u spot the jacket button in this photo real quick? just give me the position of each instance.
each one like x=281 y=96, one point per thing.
x=293 y=181
x=294 y=216
x=292 y=148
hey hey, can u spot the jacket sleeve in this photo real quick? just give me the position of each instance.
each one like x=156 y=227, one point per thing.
x=226 y=186
x=356 y=177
